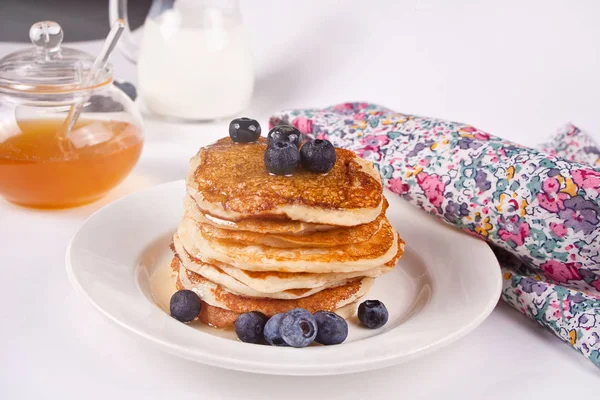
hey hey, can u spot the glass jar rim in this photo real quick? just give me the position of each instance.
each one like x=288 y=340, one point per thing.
x=39 y=92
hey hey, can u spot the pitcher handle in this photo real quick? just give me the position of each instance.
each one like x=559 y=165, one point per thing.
x=128 y=46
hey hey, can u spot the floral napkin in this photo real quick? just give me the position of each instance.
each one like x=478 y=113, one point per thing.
x=538 y=208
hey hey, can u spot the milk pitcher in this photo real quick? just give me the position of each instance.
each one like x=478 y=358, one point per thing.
x=194 y=61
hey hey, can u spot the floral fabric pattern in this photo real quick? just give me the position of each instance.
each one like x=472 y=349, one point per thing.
x=539 y=209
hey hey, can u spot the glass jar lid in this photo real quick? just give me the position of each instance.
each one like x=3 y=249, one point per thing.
x=48 y=67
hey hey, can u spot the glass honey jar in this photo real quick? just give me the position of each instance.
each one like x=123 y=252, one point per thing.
x=46 y=159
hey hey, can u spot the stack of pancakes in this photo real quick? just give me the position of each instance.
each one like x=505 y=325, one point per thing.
x=252 y=241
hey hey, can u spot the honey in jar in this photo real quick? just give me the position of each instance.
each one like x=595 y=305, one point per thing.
x=67 y=134
x=39 y=167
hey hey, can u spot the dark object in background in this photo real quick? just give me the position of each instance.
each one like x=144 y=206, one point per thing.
x=127 y=87
x=80 y=19
x=98 y=103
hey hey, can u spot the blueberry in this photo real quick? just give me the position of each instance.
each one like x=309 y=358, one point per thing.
x=271 y=331
x=249 y=326
x=281 y=158
x=185 y=305
x=331 y=328
x=244 y=130
x=127 y=87
x=373 y=314
x=285 y=133
x=298 y=328
x=318 y=156
x=99 y=103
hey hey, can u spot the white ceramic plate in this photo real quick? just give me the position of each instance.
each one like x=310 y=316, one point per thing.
x=446 y=284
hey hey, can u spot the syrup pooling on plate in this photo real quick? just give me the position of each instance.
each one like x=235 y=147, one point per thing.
x=40 y=167
x=163 y=284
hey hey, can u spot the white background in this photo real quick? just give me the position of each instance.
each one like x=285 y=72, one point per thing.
x=517 y=69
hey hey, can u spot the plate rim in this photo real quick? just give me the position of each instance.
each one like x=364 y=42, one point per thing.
x=242 y=364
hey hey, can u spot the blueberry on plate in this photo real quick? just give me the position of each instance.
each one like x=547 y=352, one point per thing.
x=185 y=305
x=281 y=158
x=127 y=87
x=373 y=314
x=318 y=156
x=244 y=130
x=285 y=133
x=331 y=328
x=271 y=331
x=298 y=327
x=249 y=326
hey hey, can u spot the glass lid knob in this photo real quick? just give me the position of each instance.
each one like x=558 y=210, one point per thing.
x=46 y=35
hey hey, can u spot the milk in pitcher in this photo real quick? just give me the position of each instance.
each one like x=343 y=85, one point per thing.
x=195 y=65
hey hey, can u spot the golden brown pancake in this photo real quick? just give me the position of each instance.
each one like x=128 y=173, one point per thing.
x=222 y=318
x=329 y=299
x=261 y=225
x=271 y=283
x=229 y=180
x=213 y=316
x=217 y=317
x=258 y=225
x=331 y=238
x=377 y=251
x=277 y=285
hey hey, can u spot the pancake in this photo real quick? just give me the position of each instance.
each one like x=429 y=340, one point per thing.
x=228 y=180
x=216 y=275
x=278 y=285
x=258 y=225
x=329 y=299
x=331 y=238
x=221 y=318
x=281 y=228
x=383 y=247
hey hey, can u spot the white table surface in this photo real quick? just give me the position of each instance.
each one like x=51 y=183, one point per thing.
x=516 y=69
